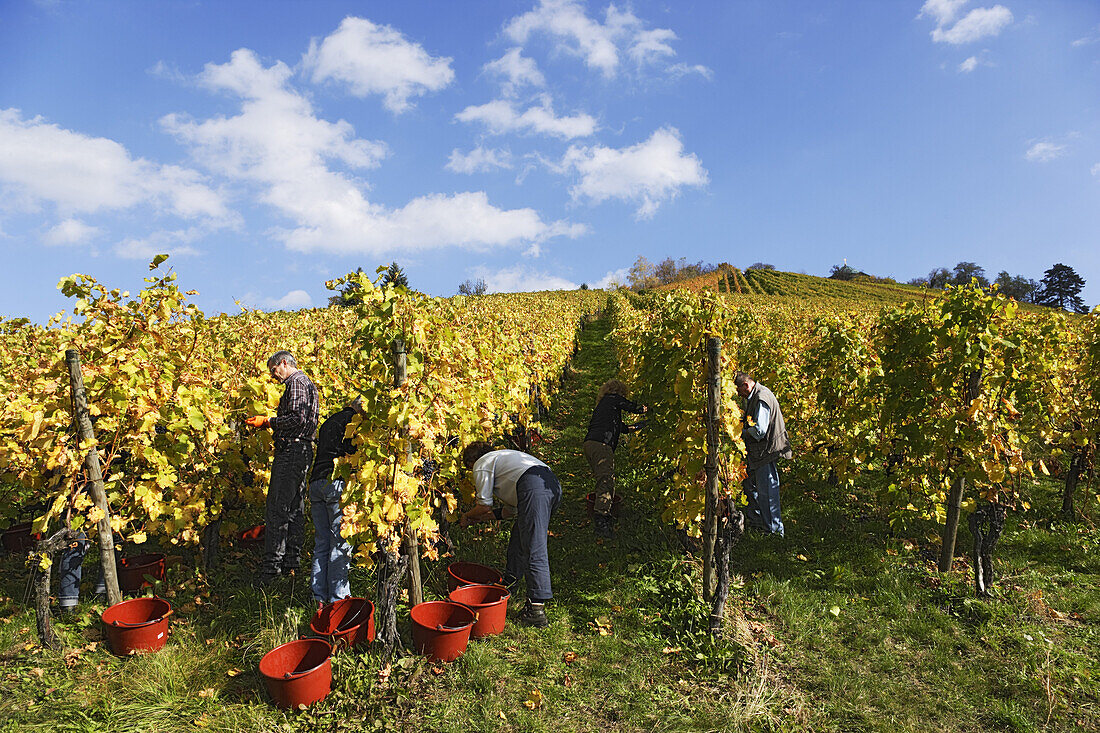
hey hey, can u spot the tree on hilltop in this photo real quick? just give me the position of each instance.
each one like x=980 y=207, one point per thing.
x=1061 y=288
x=1017 y=286
x=473 y=287
x=964 y=271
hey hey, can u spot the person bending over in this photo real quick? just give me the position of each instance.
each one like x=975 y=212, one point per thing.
x=526 y=486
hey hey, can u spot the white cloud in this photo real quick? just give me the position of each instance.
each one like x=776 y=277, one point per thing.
x=521 y=279
x=373 y=59
x=1095 y=170
x=70 y=231
x=293 y=300
x=41 y=163
x=1087 y=40
x=600 y=44
x=979 y=23
x=278 y=145
x=614 y=277
x=479 y=160
x=1045 y=151
x=649 y=46
x=170 y=242
x=677 y=71
x=515 y=71
x=648 y=173
x=942 y=11
x=500 y=117
x=972 y=63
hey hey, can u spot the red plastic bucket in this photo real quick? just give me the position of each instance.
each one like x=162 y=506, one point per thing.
x=350 y=619
x=18 y=538
x=441 y=629
x=489 y=602
x=298 y=672
x=471 y=573
x=132 y=571
x=253 y=536
x=616 y=505
x=137 y=625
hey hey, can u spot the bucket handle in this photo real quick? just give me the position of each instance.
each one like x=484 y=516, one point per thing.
x=352 y=621
x=474 y=611
x=139 y=624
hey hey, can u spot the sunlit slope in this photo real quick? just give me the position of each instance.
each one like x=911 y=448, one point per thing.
x=756 y=283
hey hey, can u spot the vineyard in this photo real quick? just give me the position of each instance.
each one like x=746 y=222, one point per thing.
x=918 y=422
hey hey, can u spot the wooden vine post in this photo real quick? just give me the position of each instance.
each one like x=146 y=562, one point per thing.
x=95 y=476
x=412 y=548
x=710 y=512
x=958 y=488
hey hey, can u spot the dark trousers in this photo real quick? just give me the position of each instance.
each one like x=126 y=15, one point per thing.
x=286 y=507
x=538 y=494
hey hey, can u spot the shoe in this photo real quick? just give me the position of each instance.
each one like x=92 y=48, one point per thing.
x=604 y=526
x=534 y=614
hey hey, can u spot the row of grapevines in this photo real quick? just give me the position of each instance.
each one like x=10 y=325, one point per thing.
x=965 y=386
x=168 y=389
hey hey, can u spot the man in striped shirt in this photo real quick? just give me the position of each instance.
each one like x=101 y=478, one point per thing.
x=295 y=429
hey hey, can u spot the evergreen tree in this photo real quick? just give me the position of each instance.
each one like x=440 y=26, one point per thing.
x=349 y=295
x=395 y=276
x=1061 y=288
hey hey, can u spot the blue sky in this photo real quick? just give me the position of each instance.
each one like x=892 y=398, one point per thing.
x=270 y=146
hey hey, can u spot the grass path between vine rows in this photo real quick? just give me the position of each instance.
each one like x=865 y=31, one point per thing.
x=842 y=626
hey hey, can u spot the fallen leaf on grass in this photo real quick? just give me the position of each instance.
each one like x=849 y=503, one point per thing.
x=617 y=609
x=802 y=557
x=568 y=681
x=232 y=672
x=208 y=692
x=835 y=610
x=569 y=657
x=37 y=672
x=503 y=716
x=671 y=650
x=201 y=722
x=534 y=700
x=602 y=626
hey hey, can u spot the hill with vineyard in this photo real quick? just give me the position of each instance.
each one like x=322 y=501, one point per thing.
x=729 y=280
x=933 y=431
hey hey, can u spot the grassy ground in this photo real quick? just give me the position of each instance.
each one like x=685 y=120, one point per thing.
x=839 y=627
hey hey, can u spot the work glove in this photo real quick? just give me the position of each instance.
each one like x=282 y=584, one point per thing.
x=257 y=421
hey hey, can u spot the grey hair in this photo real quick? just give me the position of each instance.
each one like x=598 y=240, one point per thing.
x=741 y=378
x=281 y=356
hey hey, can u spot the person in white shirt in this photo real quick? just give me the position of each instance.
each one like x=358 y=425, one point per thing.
x=527 y=488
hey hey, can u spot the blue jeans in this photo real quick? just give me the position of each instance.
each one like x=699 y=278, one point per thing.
x=538 y=494
x=331 y=552
x=286 y=508
x=762 y=490
x=70 y=571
